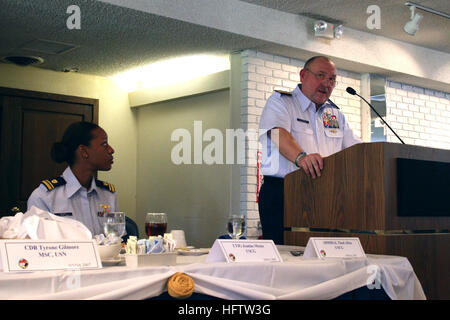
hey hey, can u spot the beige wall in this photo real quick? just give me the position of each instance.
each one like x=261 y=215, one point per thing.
x=196 y=197
x=115 y=116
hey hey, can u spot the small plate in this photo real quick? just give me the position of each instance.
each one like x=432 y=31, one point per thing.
x=112 y=262
x=193 y=252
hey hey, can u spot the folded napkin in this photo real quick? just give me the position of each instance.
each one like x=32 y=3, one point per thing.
x=38 y=224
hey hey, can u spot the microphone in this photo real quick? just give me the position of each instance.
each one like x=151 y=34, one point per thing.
x=352 y=91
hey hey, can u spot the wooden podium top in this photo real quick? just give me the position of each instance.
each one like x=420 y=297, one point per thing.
x=358 y=191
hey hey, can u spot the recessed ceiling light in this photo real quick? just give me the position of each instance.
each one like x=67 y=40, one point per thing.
x=23 y=60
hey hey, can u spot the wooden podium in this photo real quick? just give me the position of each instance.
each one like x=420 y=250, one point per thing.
x=387 y=194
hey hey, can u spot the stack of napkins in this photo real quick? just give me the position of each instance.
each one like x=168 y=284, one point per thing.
x=37 y=224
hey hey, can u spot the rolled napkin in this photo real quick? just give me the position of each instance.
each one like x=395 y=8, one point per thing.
x=180 y=286
x=38 y=224
x=12 y=228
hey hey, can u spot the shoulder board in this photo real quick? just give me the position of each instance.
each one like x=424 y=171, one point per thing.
x=51 y=184
x=284 y=92
x=333 y=104
x=105 y=185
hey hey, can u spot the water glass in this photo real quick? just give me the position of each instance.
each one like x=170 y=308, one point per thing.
x=156 y=224
x=236 y=226
x=114 y=223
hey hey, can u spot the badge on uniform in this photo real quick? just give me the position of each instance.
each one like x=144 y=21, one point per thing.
x=105 y=208
x=330 y=120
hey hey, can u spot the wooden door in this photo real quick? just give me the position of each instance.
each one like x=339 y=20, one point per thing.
x=30 y=123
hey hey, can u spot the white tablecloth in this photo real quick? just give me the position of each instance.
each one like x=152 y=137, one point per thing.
x=294 y=278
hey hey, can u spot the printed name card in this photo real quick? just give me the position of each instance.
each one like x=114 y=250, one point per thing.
x=40 y=255
x=334 y=248
x=243 y=251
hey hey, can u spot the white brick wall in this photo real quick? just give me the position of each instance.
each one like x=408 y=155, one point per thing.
x=419 y=116
x=262 y=74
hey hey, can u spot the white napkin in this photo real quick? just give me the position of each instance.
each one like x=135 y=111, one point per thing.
x=38 y=224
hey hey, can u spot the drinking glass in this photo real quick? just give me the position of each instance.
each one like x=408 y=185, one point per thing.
x=156 y=224
x=236 y=226
x=114 y=223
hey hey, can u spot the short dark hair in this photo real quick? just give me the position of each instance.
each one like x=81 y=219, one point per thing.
x=311 y=60
x=78 y=133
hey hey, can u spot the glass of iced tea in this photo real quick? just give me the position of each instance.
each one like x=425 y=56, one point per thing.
x=156 y=224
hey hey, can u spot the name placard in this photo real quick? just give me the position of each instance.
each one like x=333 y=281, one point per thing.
x=334 y=248
x=243 y=251
x=41 y=255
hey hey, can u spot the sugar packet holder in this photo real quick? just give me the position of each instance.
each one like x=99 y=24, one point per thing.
x=150 y=246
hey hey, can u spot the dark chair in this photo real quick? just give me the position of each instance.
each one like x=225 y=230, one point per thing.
x=228 y=237
x=131 y=228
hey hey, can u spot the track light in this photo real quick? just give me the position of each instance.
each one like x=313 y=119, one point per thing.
x=411 y=27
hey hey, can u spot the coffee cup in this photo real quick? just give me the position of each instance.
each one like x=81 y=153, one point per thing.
x=179 y=237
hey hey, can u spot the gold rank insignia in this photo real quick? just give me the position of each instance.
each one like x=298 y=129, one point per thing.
x=105 y=185
x=284 y=92
x=51 y=184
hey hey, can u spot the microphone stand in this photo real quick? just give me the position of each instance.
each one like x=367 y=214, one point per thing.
x=380 y=117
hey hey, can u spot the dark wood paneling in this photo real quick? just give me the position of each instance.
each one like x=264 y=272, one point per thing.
x=30 y=123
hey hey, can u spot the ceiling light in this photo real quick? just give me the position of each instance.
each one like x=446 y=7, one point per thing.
x=320 y=26
x=323 y=29
x=338 y=31
x=430 y=10
x=23 y=61
x=171 y=71
x=411 y=27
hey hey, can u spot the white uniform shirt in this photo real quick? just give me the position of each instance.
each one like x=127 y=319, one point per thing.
x=324 y=131
x=72 y=200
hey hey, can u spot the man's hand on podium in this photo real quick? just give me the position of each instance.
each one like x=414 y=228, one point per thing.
x=312 y=164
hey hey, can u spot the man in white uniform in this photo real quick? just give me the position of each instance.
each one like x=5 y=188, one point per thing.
x=298 y=129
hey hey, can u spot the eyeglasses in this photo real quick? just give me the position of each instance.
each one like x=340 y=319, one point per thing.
x=323 y=76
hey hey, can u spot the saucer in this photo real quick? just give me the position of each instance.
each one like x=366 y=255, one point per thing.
x=113 y=261
x=193 y=252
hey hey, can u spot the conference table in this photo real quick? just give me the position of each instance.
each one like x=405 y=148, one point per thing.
x=296 y=278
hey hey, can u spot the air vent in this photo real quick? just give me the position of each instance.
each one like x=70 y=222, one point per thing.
x=48 y=47
x=23 y=60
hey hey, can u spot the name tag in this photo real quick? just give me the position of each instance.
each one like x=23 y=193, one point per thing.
x=63 y=214
x=334 y=248
x=41 y=255
x=243 y=251
x=302 y=120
